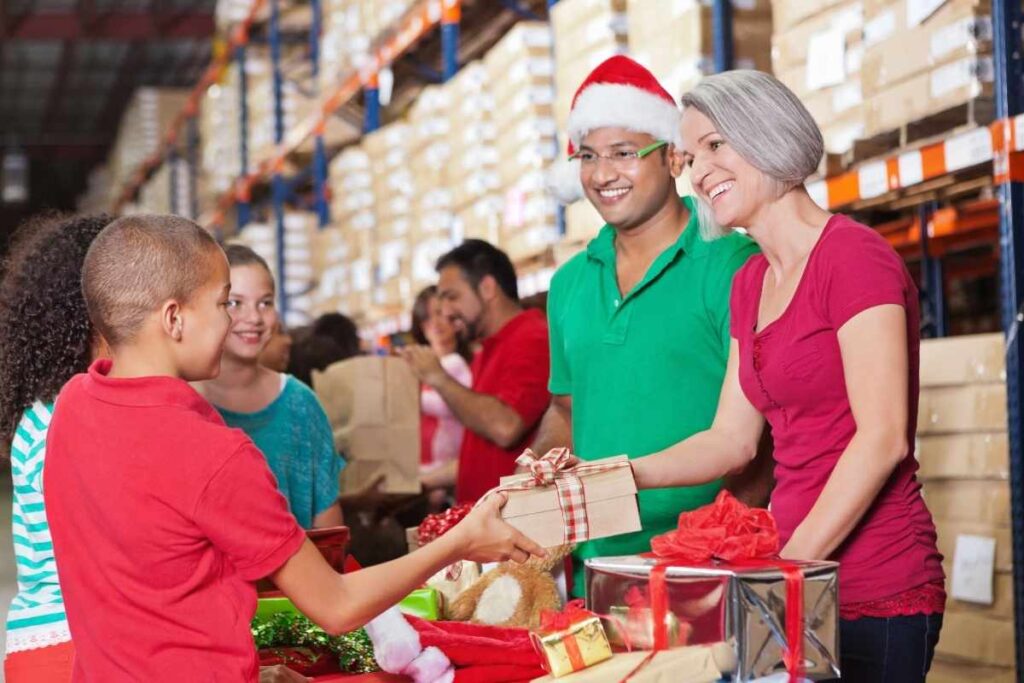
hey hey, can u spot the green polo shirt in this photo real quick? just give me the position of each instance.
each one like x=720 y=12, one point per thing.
x=644 y=370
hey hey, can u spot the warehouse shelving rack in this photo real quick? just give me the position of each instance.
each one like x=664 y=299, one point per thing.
x=993 y=155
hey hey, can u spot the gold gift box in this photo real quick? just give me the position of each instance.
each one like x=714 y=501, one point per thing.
x=590 y=641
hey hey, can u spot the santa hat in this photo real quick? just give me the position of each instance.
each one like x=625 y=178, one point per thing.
x=619 y=93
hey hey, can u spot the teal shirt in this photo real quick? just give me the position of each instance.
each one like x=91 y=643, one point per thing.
x=644 y=370
x=296 y=439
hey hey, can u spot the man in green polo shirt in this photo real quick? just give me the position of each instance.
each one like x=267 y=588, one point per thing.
x=639 y=321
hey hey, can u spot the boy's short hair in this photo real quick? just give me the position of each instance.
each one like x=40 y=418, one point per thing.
x=136 y=264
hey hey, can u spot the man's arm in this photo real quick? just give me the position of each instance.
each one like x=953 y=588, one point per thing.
x=488 y=416
x=555 y=429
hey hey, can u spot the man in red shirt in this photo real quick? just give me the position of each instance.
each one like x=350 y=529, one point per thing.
x=163 y=518
x=479 y=292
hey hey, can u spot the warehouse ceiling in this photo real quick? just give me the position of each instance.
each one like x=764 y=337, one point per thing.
x=67 y=71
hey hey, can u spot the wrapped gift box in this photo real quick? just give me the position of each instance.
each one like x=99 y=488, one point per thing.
x=607 y=506
x=744 y=606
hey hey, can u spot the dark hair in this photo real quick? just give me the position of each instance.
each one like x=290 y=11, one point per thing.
x=314 y=352
x=341 y=329
x=477 y=259
x=45 y=334
x=241 y=255
x=420 y=313
x=137 y=263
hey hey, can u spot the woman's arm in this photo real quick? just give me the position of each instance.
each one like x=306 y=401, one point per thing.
x=728 y=446
x=873 y=345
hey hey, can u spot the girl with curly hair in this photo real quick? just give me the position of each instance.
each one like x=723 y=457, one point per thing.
x=45 y=339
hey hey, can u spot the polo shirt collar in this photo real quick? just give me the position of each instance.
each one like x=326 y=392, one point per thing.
x=602 y=247
x=148 y=392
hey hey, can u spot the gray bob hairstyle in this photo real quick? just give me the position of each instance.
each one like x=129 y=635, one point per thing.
x=763 y=121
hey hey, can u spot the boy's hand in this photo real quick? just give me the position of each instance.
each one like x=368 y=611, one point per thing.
x=281 y=674
x=484 y=537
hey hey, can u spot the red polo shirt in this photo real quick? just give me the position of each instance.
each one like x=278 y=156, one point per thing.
x=162 y=519
x=513 y=366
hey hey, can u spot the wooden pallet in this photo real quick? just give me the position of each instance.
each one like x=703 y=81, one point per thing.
x=976 y=112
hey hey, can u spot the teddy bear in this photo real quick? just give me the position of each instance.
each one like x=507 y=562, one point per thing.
x=512 y=594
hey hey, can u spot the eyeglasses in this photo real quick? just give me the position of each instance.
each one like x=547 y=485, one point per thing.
x=620 y=158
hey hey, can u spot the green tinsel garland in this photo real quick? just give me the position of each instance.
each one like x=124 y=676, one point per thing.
x=353 y=650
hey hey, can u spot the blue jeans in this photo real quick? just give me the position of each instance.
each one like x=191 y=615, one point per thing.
x=890 y=650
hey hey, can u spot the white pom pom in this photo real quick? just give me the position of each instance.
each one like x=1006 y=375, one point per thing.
x=563 y=181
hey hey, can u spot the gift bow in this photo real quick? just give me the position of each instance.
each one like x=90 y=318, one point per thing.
x=560 y=468
x=728 y=532
x=553 y=620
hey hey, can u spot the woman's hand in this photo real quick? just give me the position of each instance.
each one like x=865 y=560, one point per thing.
x=483 y=536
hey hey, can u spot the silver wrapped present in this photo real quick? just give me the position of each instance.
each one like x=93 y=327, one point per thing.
x=744 y=607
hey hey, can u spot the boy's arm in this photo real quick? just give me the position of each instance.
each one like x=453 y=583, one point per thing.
x=341 y=603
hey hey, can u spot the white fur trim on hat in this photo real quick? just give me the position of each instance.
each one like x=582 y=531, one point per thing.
x=563 y=181
x=611 y=105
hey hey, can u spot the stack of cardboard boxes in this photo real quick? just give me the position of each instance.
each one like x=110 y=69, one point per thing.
x=389 y=150
x=817 y=50
x=473 y=171
x=963 y=453
x=922 y=58
x=219 y=133
x=141 y=132
x=521 y=76
x=353 y=213
x=168 y=190
x=674 y=39
x=433 y=216
x=349 y=30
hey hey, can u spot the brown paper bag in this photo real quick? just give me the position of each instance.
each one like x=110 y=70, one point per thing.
x=373 y=404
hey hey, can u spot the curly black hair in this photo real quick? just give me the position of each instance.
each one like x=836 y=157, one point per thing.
x=45 y=333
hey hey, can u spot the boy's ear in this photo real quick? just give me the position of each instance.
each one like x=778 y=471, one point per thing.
x=171 y=320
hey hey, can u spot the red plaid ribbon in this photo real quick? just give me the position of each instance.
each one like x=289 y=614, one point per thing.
x=554 y=467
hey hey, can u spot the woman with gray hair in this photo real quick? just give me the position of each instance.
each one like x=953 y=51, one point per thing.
x=825 y=343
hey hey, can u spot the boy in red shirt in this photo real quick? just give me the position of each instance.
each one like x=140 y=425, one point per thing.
x=162 y=517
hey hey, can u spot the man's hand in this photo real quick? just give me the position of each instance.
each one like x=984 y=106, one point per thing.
x=281 y=674
x=484 y=537
x=425 y=364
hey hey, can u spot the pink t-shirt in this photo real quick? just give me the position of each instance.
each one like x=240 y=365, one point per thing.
x=162 y=519
x=792 y=372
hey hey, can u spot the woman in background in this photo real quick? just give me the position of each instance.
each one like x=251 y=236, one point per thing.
x=440 y=432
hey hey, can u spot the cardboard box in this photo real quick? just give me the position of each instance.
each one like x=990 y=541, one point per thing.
x=976 y=638
x=929 y=93
x=567 y=16
x=957 y=31
x=963 y=360
x=948 y=531
x=839 y=29
x=964 y=456
x=787 y=13
x=973 y=408
x=582 y=221
x=1002 y=595
x=610 y=499
x=373 y=404
x=981 y=502
x=525 y=41
x=947 y=671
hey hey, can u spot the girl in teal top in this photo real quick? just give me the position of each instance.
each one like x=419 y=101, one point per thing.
x=45 y=339
x=280 y=414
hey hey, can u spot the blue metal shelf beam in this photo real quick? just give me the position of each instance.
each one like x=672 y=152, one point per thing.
x=278 y=189
x=321 y=205
x=932 y=280
x=1009 y=96
x=243 y=205
x=721 y=28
